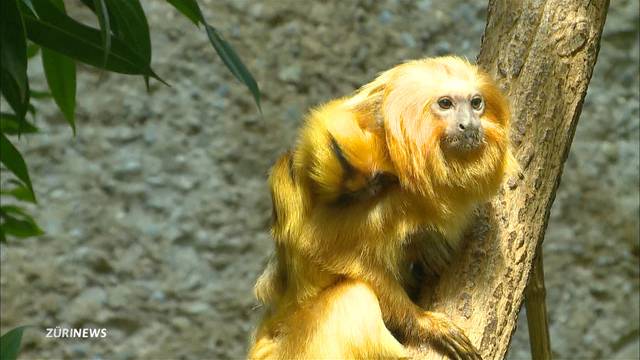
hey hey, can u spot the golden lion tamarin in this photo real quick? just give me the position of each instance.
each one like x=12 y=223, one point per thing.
x=413 y=151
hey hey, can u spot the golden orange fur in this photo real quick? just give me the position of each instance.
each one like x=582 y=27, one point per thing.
x=368 y=172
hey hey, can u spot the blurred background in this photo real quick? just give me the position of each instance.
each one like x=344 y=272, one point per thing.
x=156 y=213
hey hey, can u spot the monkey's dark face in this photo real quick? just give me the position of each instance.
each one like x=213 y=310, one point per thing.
x=461 y=115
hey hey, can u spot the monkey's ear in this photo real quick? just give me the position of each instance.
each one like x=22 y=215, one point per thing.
x=402 y=111
x=367 y=104
x=408 y=132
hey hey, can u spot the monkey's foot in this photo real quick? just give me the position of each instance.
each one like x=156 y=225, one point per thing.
x=442 y=334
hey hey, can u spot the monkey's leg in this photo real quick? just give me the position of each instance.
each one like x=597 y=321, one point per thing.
x=343 y=322
x=416 y=326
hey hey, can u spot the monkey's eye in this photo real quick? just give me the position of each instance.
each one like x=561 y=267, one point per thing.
x=445 y=103
x=476 y=102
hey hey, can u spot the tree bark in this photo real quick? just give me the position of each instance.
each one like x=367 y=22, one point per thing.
x=542 y=54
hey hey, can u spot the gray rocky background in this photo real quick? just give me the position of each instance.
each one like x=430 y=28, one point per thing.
x=156 y=213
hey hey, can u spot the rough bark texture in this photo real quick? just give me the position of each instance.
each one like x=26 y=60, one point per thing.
x=543 y=54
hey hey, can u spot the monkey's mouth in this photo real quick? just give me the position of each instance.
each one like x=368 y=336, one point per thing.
x=467 y=141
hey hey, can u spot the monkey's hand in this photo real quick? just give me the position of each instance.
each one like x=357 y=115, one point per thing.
x=442 y=334
x=417 y=327
x=345 y=162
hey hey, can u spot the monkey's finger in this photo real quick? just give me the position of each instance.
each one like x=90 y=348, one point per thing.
x=468 y=352
x=449 y=347
x=449 y=350
x=463 y=346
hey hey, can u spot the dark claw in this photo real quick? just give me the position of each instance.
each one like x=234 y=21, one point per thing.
x=457 y=346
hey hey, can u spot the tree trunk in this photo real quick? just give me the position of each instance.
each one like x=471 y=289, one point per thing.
x=542 y=53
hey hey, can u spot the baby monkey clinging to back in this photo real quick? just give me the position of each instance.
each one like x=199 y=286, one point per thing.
x=413 y=151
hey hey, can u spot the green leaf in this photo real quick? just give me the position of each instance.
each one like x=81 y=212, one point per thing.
x=131 y=26
x=20 y=191
x=105 y=26
x=29 y=6
x=30 y=108
x=58 y=32
x=60 y=72
x=36 y=94
x=58 y=3
x=10 y=341
x=233 y=62
x=11 y=158
x=13 y=58
x=90 y=4
x=10 y=125
x=32 y=50
x=190 y=9
x=16 y=222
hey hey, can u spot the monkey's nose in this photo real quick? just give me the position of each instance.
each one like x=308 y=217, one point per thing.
x=467 y=127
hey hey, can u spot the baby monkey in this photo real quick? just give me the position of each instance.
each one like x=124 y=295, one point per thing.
x=414 y=151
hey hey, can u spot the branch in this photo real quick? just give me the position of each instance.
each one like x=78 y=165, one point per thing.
x=542 y=53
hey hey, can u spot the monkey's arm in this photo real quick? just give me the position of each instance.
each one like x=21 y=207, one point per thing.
x=416 y=326
x=342 y=160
